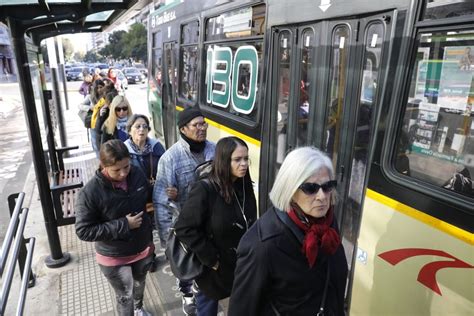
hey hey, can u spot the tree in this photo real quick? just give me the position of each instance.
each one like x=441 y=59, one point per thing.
x=78 y=56
x=68 y=48
x=114 y=48
x=92 y=57
x=134 y=43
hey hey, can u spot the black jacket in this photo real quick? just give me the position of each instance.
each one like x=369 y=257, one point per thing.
x=101 y=211
x=212 y=229
x=271 y=269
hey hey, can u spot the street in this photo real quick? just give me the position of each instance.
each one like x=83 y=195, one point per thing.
x=15 y=152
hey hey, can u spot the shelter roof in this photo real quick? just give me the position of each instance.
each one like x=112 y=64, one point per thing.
x=47 y=18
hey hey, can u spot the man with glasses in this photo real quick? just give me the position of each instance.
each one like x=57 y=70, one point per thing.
x=175 y=177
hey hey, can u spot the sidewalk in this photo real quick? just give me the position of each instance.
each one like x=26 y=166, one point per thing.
x=79 y=288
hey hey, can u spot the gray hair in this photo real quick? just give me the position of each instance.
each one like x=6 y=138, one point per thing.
x=298 y=166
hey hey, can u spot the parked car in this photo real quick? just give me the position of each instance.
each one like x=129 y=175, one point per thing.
x=76 y=73
x=133 y=75
x=142 y=69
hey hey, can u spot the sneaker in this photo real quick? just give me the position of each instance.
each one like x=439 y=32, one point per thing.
x=189 y=305
x=141 y=312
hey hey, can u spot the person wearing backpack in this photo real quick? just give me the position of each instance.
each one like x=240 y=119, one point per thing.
x=217 y=213
x=175 y=177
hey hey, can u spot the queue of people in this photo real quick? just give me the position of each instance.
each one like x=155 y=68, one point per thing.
x=290 y=261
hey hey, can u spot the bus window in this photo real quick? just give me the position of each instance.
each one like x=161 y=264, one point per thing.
x=244 y=22
x=232 y=77
x=441 y=9
x=188 y=65
x=284 y=80
x=305 y=86
x=339 y=56
x=156 y=61
x=436 y=142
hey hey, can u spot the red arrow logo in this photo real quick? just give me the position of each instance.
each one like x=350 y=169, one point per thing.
x=427 y=275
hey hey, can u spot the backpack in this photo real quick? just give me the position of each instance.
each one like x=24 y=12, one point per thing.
x=203 y=170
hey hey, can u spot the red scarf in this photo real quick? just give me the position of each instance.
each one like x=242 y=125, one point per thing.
x=318 y=234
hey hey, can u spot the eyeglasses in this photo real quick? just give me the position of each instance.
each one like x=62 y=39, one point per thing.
x=125 y=108
x=310 y=188
x=240 y=160
x=144 y=126
x=199 y=125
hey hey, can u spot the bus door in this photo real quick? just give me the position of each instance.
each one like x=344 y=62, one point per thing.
x=355 y=65
x=325 y=85
x=169 y=93
x=292 y=99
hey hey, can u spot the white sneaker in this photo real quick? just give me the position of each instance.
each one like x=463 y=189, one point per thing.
x=189 y=305
x=141 y=312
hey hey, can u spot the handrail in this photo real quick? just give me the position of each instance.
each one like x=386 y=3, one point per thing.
x=16 y=227
x=10 y=231
x=26 y=276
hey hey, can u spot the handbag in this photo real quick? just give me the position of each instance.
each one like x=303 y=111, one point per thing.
x=184 y=263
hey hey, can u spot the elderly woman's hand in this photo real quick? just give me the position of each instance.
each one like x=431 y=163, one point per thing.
x=134 y=220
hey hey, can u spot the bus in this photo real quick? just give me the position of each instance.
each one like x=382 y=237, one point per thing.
x=385 y=88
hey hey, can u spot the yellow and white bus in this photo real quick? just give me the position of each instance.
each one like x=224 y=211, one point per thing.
x=386 y=88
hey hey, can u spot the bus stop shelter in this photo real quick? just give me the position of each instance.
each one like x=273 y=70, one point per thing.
x=30 y=22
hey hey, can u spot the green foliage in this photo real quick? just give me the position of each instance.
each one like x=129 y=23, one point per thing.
x=114 y=48
x=78 y=56
x=135 y=42
x=92 y=57
x=124 y=45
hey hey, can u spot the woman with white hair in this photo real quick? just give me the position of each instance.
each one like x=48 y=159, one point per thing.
x=291 y=261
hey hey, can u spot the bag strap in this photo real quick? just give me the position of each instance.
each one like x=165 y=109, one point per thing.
x=326 y=285
x=151 y=166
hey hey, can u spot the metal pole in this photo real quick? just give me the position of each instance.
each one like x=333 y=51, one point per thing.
x=62 y=73
x=59 y=108
x=53 y=65
x=57 y=258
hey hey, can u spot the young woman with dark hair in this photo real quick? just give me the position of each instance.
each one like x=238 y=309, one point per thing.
x=218 y=211
x=110 y=211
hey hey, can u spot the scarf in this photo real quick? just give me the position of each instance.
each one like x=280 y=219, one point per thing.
x=318 y=233
x=194 y=146
x=116 y=184
x=121 y=125
x=146 y=149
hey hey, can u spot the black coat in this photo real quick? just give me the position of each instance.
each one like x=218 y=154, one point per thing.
x=101 y=210
x=212 y=229
x=271 y=269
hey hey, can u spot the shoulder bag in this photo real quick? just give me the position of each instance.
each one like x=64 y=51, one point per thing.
x=184 y=263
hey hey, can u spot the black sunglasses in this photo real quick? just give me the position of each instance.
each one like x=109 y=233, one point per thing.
x=125 y=108
x=312 y=188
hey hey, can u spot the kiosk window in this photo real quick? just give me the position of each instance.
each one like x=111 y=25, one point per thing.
x=436 y=141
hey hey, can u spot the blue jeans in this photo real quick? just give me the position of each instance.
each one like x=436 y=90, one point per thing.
x=128 y=282
x=95 y=145
x=206 y=306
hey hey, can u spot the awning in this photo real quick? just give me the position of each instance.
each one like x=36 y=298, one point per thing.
x=47 y=18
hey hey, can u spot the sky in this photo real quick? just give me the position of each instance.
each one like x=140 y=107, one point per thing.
x=80 y=41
